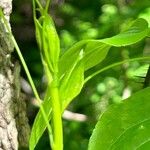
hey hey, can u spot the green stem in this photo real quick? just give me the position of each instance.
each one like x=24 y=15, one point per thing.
x=114 y=65
x=34 y=89
x=56 y=116
x=29 y=78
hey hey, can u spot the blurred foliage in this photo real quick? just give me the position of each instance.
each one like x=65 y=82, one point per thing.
x=86 y=19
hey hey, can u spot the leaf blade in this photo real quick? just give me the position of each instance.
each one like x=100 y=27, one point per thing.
x=95 y=51
x=39 y=124
x=99 y=48
x=136 y=32
x=115 y=123
x=72 y=82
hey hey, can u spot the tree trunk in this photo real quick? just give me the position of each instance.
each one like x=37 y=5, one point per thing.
x=14 y=128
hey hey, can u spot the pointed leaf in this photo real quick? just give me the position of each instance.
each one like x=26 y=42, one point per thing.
x=71 y=71
x=96 y=50
x=136 y=32
x=39 y=125
x=70 y=56
x=72 y=83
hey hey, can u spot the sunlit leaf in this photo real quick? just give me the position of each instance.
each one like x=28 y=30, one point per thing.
x=71 y=74
x=70 y=56
x=39 y=124
x=124 y=126
x=96 y=50
x=136 y=32
x=72 y=83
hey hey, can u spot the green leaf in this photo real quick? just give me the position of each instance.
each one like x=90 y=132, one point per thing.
x=51 y=44
x=136 y=32
x=95 y=51
x=69 y=57
x=72 y=67
x=149 y=33
x=39 y=125
x=72 y=83
x=124 y=126
x=144 y=146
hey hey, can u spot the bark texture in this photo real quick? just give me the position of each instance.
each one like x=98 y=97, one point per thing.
x=14 y=128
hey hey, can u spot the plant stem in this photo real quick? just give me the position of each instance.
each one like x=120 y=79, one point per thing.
x=29 y=78
x=114 y=65
x=34 y=90
x=56 y=116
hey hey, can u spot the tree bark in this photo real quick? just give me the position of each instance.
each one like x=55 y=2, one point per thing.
x=14 y=128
